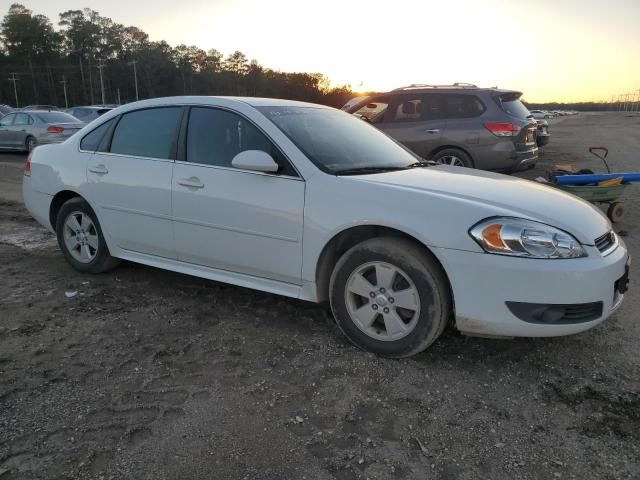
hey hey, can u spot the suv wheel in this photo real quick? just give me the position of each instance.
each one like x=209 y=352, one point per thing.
x=390 y=297
x=453 y=156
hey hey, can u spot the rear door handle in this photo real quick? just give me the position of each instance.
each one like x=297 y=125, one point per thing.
x=191 y=182
x=99 y=169
x=433 y=130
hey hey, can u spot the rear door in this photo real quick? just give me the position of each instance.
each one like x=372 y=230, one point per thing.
x=463 y=128
x=129 y=180
x=20 y=129
x=415 y=120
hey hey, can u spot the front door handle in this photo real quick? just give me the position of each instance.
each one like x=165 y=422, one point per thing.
x=433 y=130
x=99 y=169
x=191 y=182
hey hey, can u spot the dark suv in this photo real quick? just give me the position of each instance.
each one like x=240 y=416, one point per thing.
x=458 y=124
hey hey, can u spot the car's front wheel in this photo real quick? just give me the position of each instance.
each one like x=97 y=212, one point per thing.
x=390 y=297
x=80 y=238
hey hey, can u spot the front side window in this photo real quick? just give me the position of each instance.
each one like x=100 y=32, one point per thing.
x=92 y=140
x=336 y=141
x=463 y=106
x=215 y=137
x=147 y=133
x=418 y=107
x=7 y=120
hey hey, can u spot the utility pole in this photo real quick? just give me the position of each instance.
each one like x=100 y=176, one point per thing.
x=15 y=89
x=119 y=96
x=100 y=67
x=135 y=75
x=64 y=88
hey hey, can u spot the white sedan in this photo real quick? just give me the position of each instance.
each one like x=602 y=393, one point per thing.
x=310 y=202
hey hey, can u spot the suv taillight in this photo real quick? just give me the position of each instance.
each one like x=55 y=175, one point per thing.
x=27 y=165
x=55 y=129
x=502 y=129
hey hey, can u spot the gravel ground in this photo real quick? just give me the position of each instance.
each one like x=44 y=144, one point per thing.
x=147 y=374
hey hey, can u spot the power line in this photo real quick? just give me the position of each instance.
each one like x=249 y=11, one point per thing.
x=135 y=75
x=15 y=89
x=64 y=87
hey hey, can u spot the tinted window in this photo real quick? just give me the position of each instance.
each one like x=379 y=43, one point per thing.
x=462 y=106
x=56 y=117
x=147 y=133
x=414 y=108
x=215 y=136
x=511 y=104
x=7 y=120
x=92 y=140
x=335 y=140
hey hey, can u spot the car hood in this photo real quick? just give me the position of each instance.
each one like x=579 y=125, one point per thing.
x=502 y=195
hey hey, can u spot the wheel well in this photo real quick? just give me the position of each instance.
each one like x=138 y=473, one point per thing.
x=346 y=239
x=447 y=147
x=58 y=200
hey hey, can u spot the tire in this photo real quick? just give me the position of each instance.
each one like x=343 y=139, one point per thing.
x=615 y=212
x=85 y=235
x=30 y=143
x=418 y=280
x=453 y=156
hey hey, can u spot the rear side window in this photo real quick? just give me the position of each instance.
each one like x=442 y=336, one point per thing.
x=23 y=119
x=215 y=136
x=92 y=140
x=147 y=133
x=462 y=106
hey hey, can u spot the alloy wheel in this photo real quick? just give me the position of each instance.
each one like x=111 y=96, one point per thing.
x=450 y=160
x=81 y=237
x=382 y=301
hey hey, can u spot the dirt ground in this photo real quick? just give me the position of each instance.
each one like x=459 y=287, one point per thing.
x=147 y=374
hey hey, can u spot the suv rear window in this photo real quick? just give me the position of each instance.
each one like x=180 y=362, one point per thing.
x=511 y=104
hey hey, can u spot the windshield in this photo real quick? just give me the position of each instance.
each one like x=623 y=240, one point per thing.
x=336 y=141
x=57 y=117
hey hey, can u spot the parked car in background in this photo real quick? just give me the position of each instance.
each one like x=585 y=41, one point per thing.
x=4 y=109
x=459 y=124
x=89 y=113
x=539 y=114
x=542 y=135
x=41 y=107
x=24 y=130
x=309 y=202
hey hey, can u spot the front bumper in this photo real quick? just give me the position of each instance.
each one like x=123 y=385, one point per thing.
x=482 y=284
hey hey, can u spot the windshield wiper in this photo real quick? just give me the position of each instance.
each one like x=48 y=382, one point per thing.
x=366 y=170
x=422 y=163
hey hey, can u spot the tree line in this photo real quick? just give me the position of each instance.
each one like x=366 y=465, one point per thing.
x=90 y=54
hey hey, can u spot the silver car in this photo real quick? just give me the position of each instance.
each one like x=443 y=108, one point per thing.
x=26 y=129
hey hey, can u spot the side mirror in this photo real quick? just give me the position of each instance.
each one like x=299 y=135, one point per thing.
x=255 y=160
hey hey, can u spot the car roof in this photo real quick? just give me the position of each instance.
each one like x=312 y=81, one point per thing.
x=210 y=100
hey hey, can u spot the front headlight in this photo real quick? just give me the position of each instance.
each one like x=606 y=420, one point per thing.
x=525 y=238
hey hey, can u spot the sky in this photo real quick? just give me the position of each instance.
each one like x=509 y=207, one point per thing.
x=552 y=50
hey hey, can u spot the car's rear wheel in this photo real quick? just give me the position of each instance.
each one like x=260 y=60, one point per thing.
x=390 y=297
x=454 y=157
x=30 y=143
x=80 y=238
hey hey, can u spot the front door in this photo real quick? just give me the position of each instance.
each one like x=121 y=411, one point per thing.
x=236 y=220
x=415 y=120
x=130 y=182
